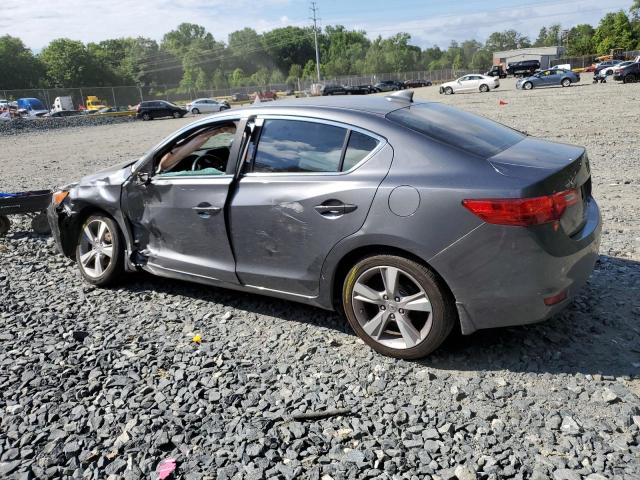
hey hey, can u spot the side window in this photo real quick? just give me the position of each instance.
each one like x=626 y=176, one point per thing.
x=359 y=146
x=299 y=146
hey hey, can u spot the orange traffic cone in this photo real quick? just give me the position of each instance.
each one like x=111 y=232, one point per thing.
x=502 y=102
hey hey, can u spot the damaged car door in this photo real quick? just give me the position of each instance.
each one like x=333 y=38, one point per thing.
x=305 y=184
x=175 y=203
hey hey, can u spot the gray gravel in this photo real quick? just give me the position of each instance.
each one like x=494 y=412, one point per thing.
x=107 y=383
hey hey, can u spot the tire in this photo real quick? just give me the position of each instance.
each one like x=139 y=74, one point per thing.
x=195 y=111
x=110 y=268
x=5 y=224
x=448 y=91
x=527 y=85
x=146 y=117
x=177 y=115
x=565 y=82
x=426 y=324
x=629 y=79
x=484 y=88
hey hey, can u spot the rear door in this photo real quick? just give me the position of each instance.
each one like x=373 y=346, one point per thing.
x=307 y=184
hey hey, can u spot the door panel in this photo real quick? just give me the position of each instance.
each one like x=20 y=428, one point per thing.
x=284 y=225
x=179 y=225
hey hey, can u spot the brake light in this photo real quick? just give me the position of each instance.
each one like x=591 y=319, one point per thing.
x=523 y=211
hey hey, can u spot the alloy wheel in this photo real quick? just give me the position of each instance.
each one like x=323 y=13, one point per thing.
x=96 y=248
x=392 y=307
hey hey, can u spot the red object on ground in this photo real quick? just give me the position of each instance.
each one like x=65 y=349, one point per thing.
x=166 y=468
x=502 y=102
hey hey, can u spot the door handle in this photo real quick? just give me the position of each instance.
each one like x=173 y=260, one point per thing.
x=205 y=210
x=335 y=209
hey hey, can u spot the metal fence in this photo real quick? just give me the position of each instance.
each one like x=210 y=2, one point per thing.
x=125 y=96
x=586 y=60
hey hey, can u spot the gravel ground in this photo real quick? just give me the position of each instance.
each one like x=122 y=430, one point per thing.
x=107 y=383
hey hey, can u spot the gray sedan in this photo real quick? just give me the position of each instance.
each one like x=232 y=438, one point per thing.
x=411 y=218
x=549 y=78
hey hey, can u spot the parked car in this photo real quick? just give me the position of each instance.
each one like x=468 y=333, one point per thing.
x=206 y=105
x=240 y=97
x=63 y=103
x=4 y=103
x=513 y=238
x=33 y=107
x=333 y=89
x=361 y=89
x=417 y=83
x=548 y=78
x=607 y=66
x=388 y=86
x=64 y=113
x=525 y=67
x=150 y=109
x=628 y=74
x=497 y=71
x=115 y=112
x=470 y=83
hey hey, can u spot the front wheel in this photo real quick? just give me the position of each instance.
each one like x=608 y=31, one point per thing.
x=146 y=116
x=397 y=306
x=566 y=82
x=484 y=88
x=448 y=91
x=100 y=250
x=629 y=79
x=527 y=85
x=176 y=115
x=195 y=111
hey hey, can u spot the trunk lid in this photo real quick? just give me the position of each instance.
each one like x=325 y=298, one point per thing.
x=546 y=168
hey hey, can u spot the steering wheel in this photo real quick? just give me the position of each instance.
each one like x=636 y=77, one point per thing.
x=208 y=158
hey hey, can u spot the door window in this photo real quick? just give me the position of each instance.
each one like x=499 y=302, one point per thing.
x=359 y=146
x=297 y=146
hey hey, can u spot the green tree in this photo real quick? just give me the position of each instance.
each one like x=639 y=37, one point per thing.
x=580 y=40
x=69 y=63
x=614 y=31
x=481 y=60
x=507 y=40
x=549 y=37
x=19 y=68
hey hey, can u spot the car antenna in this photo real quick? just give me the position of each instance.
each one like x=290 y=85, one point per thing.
x=401 y=96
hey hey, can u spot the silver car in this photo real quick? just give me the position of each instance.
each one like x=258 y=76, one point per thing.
x=549 y=78
x=411 y=218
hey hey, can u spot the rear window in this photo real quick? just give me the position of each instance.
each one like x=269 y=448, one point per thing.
x=472 y=133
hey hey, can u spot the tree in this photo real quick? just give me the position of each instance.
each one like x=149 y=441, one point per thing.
x=481 y=60
x=549 y=37
x=580 y=40
x=507 y=40
x=614 y=31
x=19 y=68
x=68 y=63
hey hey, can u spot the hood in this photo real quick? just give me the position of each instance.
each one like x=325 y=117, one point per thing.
x=115 y=175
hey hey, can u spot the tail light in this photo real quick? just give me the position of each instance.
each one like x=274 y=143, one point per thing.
x=523 y=211
x=137 y=107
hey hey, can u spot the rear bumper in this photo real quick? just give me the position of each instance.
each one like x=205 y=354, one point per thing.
x=501 y=275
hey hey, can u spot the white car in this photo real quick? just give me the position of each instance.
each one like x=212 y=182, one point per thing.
x=473 y=82
x=206 y=105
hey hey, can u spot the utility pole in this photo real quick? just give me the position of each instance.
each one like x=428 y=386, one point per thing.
x=314 y=11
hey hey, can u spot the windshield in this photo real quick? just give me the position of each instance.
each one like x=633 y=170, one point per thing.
x=457 y=128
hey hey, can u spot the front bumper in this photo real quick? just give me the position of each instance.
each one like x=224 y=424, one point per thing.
x=500 y=275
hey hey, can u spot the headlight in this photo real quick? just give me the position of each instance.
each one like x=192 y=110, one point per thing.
x=59 y=196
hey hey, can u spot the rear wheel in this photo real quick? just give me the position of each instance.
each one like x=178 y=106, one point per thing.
x=448 y=91
x=484 y=88
x=527 y=85
x=566 y=82
x=100 y=250
x=397 y=306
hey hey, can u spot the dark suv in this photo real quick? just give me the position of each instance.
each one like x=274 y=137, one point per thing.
x=628 y=74
x=524 y=67
x=497 y=71
x=159 y=108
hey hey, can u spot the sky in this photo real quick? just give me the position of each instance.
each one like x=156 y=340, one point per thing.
x=429 y=22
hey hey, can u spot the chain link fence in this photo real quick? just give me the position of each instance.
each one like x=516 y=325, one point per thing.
x=586 y=60
x=129 y=96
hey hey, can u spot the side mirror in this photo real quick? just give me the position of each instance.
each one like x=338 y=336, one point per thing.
x=143 y=178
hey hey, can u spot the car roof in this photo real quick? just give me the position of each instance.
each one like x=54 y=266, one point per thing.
x=376 y=105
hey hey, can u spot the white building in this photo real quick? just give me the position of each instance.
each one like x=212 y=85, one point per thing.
x=543 y=54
